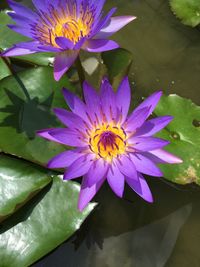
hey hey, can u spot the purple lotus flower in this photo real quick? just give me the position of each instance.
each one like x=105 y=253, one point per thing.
x=64 y=27
x=109 y=143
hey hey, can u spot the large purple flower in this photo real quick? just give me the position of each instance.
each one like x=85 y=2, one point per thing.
x=64 y=27
x=110 y=144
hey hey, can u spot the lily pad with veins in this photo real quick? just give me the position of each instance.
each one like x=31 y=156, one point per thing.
x=184 y=134
x=188 y=11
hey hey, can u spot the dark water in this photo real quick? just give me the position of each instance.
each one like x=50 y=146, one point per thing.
x=130 y=232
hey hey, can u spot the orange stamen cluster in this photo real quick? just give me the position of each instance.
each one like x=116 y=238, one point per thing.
x=108 y=142
x=65 y=24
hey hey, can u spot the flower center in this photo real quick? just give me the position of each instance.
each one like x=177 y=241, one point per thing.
x=108 y=142
x=71 y=29
x=65 y=23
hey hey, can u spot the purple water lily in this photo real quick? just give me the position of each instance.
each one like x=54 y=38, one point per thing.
x=64 y=27
x=109 y=143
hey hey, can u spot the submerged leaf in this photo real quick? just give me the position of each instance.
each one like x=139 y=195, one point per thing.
x=42 y=225
x=184 y=134
x=118 y=63
x=188 y=11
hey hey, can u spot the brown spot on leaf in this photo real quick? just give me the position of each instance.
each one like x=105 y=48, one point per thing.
x=189 y=176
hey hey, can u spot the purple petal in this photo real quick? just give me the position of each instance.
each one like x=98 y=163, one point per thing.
x=68 y=137
x=92 y=100
x=76 y=105
x=98 y=5
x=49 y=48
x=140 y=187
x=100 y=45
x=30 y=45
x=136 y=120
x=97 y=172
x=127 y=167
x=16 y=51
x=36 y=46
x=79 y=167
x=147 y=143
x=40 y=5
x=145 y=165
x=64 y=159
x=21 y=30
x=116 y=180
x=150 y=102
x=22 y=10
x=64 y=43
x=69 y=119
x=45 y=134
x=162 y=156
x=63 y=62
x=79 y=44
x=115 y=24
x=153 y=126
x=98 y=25
x=87 y=193
x=123 y=99
x=108 y=101
x=20 y=19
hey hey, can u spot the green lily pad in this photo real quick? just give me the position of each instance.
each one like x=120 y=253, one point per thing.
x=4 y=70
x=118 y=63
x=19 y=181
x=9 y=38
x=23 y=113
x=188 y=11
x=42 y=225
x=184 y=134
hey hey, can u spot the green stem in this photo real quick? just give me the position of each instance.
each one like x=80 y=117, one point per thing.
x=80 y=70
x=16 y=78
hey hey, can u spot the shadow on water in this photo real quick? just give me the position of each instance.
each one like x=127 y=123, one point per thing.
x=27 y=115
x=131 y=233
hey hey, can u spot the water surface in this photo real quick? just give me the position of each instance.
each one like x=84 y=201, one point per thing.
x=130 y=232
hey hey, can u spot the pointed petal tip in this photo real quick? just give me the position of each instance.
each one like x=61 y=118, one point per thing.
x=150 y=199
x=86 y=84
x=158 y=93
x=178 y=160
x=131 y=18
x=49 y=165
x=105 y=80
x=169 y=117
x=64 y=90
x=57 y=76
x=55 y=110
x=41 y=132
x=81 y=206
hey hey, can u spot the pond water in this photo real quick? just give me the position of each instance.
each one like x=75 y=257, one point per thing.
x=130 y=232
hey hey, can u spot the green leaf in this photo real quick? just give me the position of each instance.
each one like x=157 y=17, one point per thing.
x=9 y=38
x=19 y=181
x=184 y=134
x=22 y=114
x=4 y=70
x=188 y=11
x=118 y=63
x=42 y=225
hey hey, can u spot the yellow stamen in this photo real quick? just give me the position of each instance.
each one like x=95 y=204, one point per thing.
x=66 y=25
x=108 y=142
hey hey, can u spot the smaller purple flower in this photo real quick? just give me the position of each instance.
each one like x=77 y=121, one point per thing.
x=64 y=27
x=109 y=144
